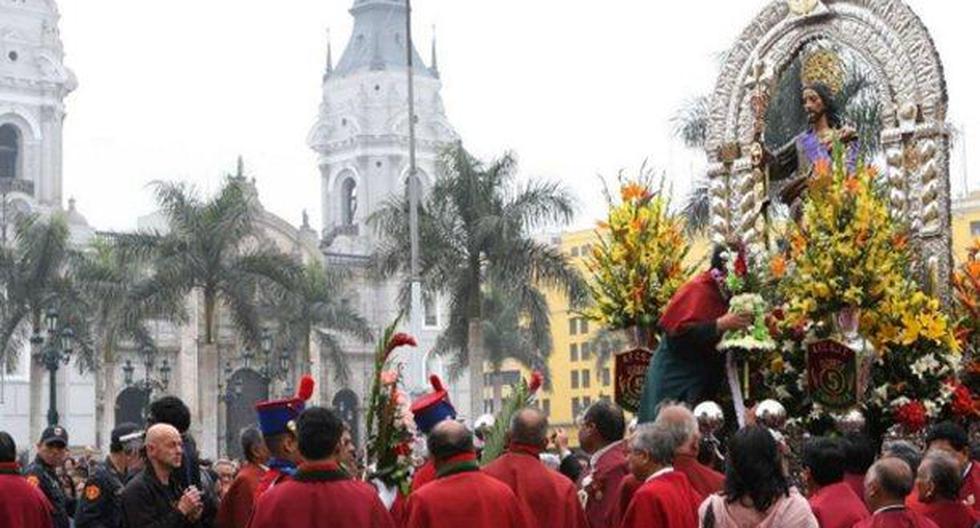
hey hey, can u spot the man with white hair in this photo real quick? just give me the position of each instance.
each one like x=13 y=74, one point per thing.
x=666 y=497
x=704 y=479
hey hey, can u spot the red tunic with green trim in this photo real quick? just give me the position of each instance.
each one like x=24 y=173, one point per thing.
x=321 y=496
x=463 y=496
x=550 y=499
x=664 y=500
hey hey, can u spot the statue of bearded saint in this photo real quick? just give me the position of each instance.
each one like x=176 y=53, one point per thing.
x=794 y=162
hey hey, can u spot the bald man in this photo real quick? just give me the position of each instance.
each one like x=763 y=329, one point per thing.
x=154 y=497
x=461 y=495
x=549 y=498
x=888 y=482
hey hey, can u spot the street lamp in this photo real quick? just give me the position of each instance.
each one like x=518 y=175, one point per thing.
x=54 y=351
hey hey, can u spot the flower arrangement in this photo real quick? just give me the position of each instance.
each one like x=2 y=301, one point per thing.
x=746 y=285
x=390 y=428
x=848 y=254
x=638 y=263
x=522 y=396
x=966 y=288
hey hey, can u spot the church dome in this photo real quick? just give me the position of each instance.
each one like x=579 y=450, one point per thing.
x=74 y=217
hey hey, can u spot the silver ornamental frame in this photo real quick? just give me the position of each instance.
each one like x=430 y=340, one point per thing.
x=908 y=71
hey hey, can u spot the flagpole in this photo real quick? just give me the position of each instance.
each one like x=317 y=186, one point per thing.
x=415 y=315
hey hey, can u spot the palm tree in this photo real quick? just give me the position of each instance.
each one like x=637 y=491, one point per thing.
x=213 y=247
x=475 y=226
x=35 y=277
x=108 y=282
x=506 y=336
x=317 y=308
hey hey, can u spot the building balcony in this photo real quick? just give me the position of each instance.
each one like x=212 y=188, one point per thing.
x=12 y=185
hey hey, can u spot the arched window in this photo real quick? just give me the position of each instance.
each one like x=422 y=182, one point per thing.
x=9 y=151
x=348 y=201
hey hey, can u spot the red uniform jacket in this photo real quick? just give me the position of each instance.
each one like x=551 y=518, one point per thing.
x=969 y=490
x=856 y=482
x=550 y=499
x=949 y=514
x=666 y=501
x=600 y=485
x=21 y=504
x=236 y=506
x=321 y=496
x=703 y=479
x=896 y=518
x=836 y=506
x=425 y=474
x=465 y=497
x=627 y=487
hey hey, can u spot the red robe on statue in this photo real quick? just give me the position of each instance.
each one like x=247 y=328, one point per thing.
x=601 y=484
x=321 y=496
x=836 y=506
x=703 y=479
x=463 y=496
x=550 y=499
x=666 y=500
x=236 y=506
x=949 y=514
x=21 y=504
x=896 y=517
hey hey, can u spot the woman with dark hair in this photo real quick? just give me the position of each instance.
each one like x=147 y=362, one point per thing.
x=757 y=492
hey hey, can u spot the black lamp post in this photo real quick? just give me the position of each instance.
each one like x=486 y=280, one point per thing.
x=232 y=390
x=149 y=382
x=54 y=351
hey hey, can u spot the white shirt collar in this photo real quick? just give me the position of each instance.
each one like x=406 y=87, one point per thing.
x=598 y=454
x=663 y=471
x=966 y=472
x=889 y=508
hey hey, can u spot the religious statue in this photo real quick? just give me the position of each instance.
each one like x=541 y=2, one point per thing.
x=822 y=77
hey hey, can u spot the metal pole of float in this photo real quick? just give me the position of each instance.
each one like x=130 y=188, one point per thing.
x=415 y=315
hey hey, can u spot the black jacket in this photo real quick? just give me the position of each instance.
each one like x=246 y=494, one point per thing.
x=43 y=476
x=148 y=503
x=99 y=506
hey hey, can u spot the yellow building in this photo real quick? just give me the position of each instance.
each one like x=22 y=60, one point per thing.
x=966 y=224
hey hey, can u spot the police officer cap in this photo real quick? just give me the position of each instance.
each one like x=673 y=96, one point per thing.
x=125 y=435
x=54 y=434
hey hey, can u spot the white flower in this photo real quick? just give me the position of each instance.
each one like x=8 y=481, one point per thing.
x=932 y=410
x=881 y=394
x=900 y=401
x=926 y=363
x=782 y=393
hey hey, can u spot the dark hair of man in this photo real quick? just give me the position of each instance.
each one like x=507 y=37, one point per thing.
x=170 y=410
x=445 y=442
x=949 y=432
x=830 y=106
x=529 y=427
x=905 y=450
x=895 y=479
x=121 y=430
x=318 y=430
x=718 y=257
x=8 y=448
x=824 y=457
x=608 y=420
x=859 y=453
x=943 y=471
x=754 y=469
x=573 y=465
x=250 y=438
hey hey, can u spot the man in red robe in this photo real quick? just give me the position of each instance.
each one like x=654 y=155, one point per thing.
x=859 y=454
x=888 y=483
x=549 y=498
x=21 y=504
x=833 y=502
x=236 y=505
x=320 y=494
x=601 y=436
x=666 y=498
x=686 y=366
x=952 y=439
x=938 y=484
x=461 y=495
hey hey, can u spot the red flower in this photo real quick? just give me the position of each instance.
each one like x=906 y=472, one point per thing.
x=912 y=415
x=398 y=340
x=741 y=267
x=963 y=403
x=403 y=449
x=536 y=380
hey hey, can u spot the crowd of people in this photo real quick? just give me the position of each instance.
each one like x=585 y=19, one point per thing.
x=300 y=468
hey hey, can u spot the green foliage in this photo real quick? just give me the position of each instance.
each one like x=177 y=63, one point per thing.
x=495 y=441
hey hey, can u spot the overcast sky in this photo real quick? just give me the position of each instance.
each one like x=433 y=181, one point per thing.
x=177 y=89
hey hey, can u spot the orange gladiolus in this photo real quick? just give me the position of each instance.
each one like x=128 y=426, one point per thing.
x=852 y=184
x=821 y=167
x=778 y=266
x=632 y=191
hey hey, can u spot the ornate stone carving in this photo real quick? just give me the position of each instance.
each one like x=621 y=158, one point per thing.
x=908 y=74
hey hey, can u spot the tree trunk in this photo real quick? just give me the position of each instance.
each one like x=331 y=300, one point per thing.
x=475 y=347
x=36 y=373
x=497 y=391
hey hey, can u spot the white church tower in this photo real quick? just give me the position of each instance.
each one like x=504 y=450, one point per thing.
x=361 y=138
x=33 y=85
